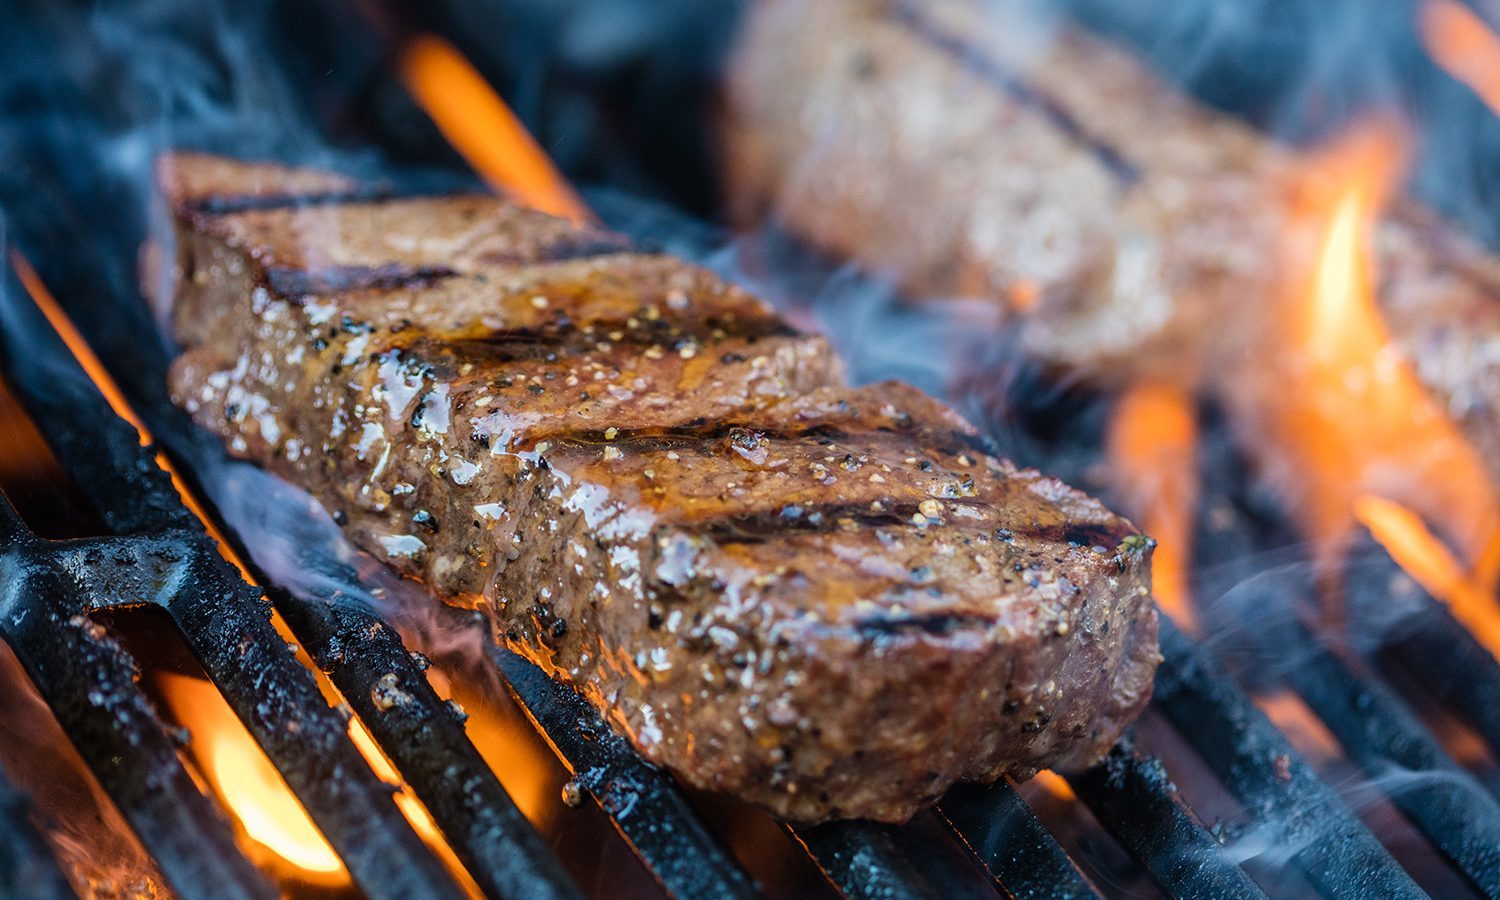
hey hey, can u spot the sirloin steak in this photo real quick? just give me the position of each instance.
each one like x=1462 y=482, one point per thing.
x=828 y=600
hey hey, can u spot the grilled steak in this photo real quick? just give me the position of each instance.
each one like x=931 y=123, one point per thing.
x=1126 y=230
x=828 y=600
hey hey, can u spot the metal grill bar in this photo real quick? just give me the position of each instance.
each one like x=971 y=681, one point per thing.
x=27 y=867
x=426 y=741
x=1449 y=662
x=222 y=620
x=1132 y=796
x=89 y=683
x=646 y=806
x=1257 y=765
x=864 y=862
x=1453 y=810
x=1005 y=836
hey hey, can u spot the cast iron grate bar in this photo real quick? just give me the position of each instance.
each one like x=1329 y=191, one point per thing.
x=1261 y=769
x=1002 y=832
x=424 y=737
x=27 y=866
x=864 y=861
x=1133 y=797
x=1442 y=655
x=646 y=806
x=223 y=621
x=89 y=682
x=1454 y=812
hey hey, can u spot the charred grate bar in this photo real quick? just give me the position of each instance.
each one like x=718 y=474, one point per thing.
x=171 y=562
x=863 y=861
x=1332 y=675
x=1459 y=817
x=1131 y=794
x=1261 y=769
x=646 y=806
x=424 y=737
x=1005 y=836
x=1434 y=648
x=90 y=683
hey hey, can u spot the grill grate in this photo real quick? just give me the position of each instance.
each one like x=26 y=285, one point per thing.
x=158 y=552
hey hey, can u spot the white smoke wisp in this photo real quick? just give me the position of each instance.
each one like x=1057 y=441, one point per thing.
x=293 y=540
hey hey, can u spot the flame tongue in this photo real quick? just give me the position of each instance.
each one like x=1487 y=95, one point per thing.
x=239 y=772
x=1337 y=412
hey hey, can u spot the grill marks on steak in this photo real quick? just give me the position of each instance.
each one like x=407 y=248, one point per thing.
x=828 y=600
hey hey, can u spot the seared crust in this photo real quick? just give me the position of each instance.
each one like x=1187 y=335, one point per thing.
x=827 y=600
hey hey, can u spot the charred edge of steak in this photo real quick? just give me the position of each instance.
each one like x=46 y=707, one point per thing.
x=747 y=436
x=883 y=625
x=974 y=59
x=759 y=527
x=667 y=333
x=584 y=245
x=229 y=204
x=342 y=279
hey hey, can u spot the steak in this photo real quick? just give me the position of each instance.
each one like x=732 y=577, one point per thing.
x=828 y=600
x=1124 y=230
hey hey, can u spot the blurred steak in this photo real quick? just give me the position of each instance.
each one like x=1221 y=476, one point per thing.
x=827 y=600
x=1126 y=230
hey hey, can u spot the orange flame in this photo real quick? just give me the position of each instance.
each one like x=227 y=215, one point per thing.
x=1056 y=785
x=1347 y=416
x=241 y=775
x=479 y=125
x=527 y=770
x=1463 y=45
x=1152 y=437
x=1422 y=556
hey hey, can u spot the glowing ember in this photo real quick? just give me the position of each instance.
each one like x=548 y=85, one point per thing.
x=1344 y=416
x=483 y=129
x=1464 y=46
x=249 y=785
x=1152 y=438
x=1056 y=785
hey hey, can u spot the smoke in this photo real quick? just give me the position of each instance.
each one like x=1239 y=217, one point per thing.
x=292 y=540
